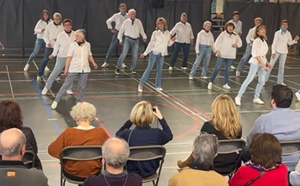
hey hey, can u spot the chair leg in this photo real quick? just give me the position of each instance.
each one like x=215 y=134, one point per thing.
x=64 y=182
x=153 y=183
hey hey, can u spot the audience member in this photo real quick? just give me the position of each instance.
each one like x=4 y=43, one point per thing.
x=266 y=166
x=84 y=134
x=115 y=153
x=142 y=116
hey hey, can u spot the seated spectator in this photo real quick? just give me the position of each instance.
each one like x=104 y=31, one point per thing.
x=225 y=124
x=142 y=116
x=13 y=172
x=84 y=134
x=282 y=122
x=199 y=172
x=11 y=117
x=266 y=167
x=115 y=153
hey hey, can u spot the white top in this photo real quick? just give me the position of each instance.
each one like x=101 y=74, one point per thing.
x=40 y=25
x=62 y=44
x=238 y=26
x=204 y=38
x=159 y=43
x=118 y=18
x=184 y=32
x=259 y=48
x=132 y=30
x=281 y=42
x=250 y=36
x=224 y=44
x=80 y=57
x=51 y=33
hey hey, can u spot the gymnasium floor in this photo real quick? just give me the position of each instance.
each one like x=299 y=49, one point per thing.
x=184 y=103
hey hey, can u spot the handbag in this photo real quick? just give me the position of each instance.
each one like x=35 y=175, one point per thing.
x=258 y=177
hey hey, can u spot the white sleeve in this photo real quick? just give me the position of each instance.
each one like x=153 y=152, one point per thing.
x=142 y=32
x=174 y=30
x=191 y=34
x=38 y=27
x=71 y=50
x=219 y=41
x=212 y=40
x=46 y=35
x=151 y=44
x=241 y=27
x=239 y=41
x=56 y=45
x=197 y=43
x=90 y=50
x=275 y=42
x=290 y=40
x=249 y=36
x=256 y=48
x=121 y=32
x=110 y=20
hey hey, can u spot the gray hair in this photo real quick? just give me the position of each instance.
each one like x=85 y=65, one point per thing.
x=56 y=14
x=80 y=31
x=205 y=149
x=15 y=148
x=131 y=10
x=122 y=5
x=115 y=158
x=83 y=111
x=206 y=22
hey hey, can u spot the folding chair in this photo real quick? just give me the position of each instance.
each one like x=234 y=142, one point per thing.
x=77 y=153
x=147 y=153
x=290 y=147
x=29 y=158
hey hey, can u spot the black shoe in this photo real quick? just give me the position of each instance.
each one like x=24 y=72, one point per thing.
x=117 y=71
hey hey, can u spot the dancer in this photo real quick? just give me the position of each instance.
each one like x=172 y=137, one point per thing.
x=50 y=35
x=249 y=39
x=184 y=39
x=282 y=39
x=258 y=64
x=77 y=66
x=298 y=95
x=204 y=46
x=225 y=46
x=61 y=48
x=158 y=48
x=118 y=19
x=237 y=26
x=132 y=29
x=39 y=31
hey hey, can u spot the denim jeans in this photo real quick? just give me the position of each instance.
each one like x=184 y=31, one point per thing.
x=112 y=47
x=245 y=58
x=48 y=52
x=159 y=59
x=282 y=59
x=204 y=54
x=82 y=79
x=134 y=45
x=186 y=51
x=220 y=62
x=59 y=66
x=39 y=43
x=254 y=68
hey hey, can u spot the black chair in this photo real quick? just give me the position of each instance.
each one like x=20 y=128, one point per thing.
x=290 y=147
x=77 y=153
x=147 y=153
x=28 y=158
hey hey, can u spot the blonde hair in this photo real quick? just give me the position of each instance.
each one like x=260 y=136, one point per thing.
x=226 y=117
x=162 y=21
x=83 y=112
x=142 y=114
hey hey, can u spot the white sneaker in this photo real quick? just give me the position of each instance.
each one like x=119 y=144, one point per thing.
x=238 y=74
x=54 y=105
x=204 y=77
x=123 y=65
x=140 y=88
x=70 y=92
x=47 y=69
x=133 y=72
x=298 y=95
x=105 y=64
x=226 y=86
x=283 y=84
x=44 y=91
x=57 y=78
x=184 y=68
x=170 y=68
x=209 y=86
x=39 y=78
x=191 y=77
x=258 y=101
x=237 y=100
x=232 y=67
x=26 y=67
x=159 y=89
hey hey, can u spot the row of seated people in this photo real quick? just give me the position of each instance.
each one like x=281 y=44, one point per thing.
x=225 y=124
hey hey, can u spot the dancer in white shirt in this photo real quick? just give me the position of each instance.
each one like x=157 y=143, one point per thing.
x=118 y=19
x=258 y=64
x=157 y=48
x=184 y=39
x=282 y=39
x=61 y=49
x=238 y=25
x=204 y=46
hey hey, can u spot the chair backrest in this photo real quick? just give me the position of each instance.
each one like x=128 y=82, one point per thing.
x=146 y=153
x=29 y=158
x=231 y=146
x=290 y=147
x=81 y=153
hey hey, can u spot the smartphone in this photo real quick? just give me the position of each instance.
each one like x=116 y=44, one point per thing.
x=154 y=109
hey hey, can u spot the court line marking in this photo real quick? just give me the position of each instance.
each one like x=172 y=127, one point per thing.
x=11 y=88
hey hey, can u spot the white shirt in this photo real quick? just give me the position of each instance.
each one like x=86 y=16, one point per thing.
x=184 y=32
x=259 y=48
x=224 y=44
x=62 y=44
x=40 y=25
x=250 y=36
x=118 y=18
x=51 y=33
x=204 y=38
x=132 y=30
x=159 y=43
x=281 y=42
x=80 y=57
x=238 y=26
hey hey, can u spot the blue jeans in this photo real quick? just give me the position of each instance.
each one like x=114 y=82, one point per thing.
x=159 y=59
x=134 y=45
x=245 y=58
x=39 y=43
x=204 y=53
x=59 y=66
x=112 y=47
x=254 y=68
x=282 y=59
x=186 y=51
x=48 y=52
x=220 y=62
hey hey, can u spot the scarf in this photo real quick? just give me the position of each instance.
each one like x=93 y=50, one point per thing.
x=282 y=31
x=132 y=21
x=123 y=14
x=230 y=33
x=207 y=31
x=162 y=30
x=68 y=32
x=80 y=43
x=236 y=21
x=56 y=24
